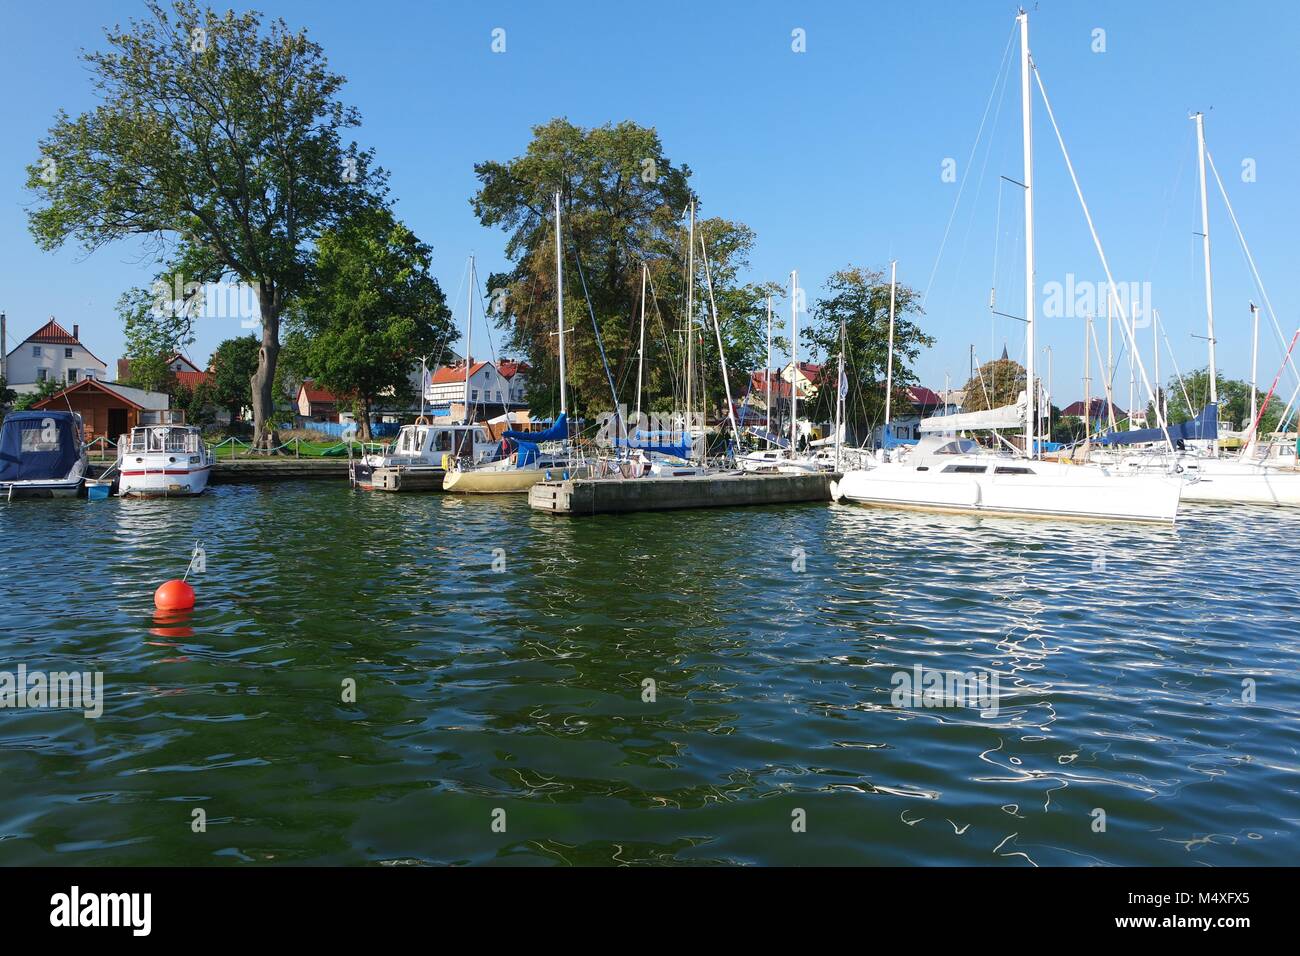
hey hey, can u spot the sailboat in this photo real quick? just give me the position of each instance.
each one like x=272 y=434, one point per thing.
x=948 y=473
x=531 y=462
x=1240 y=479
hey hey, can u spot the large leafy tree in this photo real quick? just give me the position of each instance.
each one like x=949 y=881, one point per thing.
x=219 y=136
x=233 y=363
x=155 y=328
x=372 y=310
x=623 y=203
x=858 y=298
x=1234 y=401
x=996 y=383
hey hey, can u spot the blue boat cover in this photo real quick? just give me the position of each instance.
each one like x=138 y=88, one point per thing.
x=1204 y=427
x=652 y=442
x=39 y=445
x=557 y=432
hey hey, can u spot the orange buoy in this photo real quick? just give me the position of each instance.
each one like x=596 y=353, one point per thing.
x=174 y=595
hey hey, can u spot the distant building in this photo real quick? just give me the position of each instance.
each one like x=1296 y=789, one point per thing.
x=109 y=410
x=494 y=388
x=51 y=353
x=178 y=363
x=316 y=404
x=905 y=425
x=1095 y=410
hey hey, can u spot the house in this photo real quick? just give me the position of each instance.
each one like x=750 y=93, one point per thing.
x=1095 y=410
x=108 y=409
x=178 y=363
x=51 y=353
x=493 y=388
x=905 y=418
x=316 y=404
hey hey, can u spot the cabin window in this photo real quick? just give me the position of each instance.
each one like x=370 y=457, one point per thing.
x=1009 y=470
x=966 y=469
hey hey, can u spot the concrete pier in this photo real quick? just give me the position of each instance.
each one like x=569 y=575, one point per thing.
x=589 y=496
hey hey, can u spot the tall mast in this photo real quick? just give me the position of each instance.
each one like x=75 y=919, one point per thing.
x=690 y=327
x=1025 y=106
x=559 y=304
x=1254 y=368
x=768 y=374
x=889 y=362
x=1159 y=391
x=1205 y=248
x=722 y=355
x=839 y=398
x=794 y=359
x=1110 y=361
x=469 y=332
x=1087 y=380
x=640 y=363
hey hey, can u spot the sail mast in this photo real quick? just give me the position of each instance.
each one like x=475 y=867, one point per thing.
x=794 y=359
x=889 y=362
x=690 y=329
x=640 y=364
x=1205 y=248
x=559 y=304
x=768 y=375
x=469 y=332
x=1025 y=105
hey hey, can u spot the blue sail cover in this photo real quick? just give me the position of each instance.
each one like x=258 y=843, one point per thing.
x=654 y=442
x=39 y=445
x=557 y=432
x=1204 y=427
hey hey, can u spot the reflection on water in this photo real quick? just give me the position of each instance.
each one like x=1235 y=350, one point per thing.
x=658 y=688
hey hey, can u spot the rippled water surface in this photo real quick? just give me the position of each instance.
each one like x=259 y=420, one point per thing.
x=1125 y=661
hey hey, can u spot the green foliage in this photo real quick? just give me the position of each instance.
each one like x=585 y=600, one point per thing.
x=234 y=362
x=43 y=391
x=154 y=332
x=996 y=383
x=372 y=310
x=859 y=298
x=217 y=134
x=623 y=201
x=7 y=394
x=1234 y=401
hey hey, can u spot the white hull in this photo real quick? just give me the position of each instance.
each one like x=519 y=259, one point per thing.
x=163 y=480
x=1225 y=480
x=1026 y=489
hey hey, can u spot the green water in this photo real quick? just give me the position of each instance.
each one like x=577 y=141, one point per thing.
x=500 y=660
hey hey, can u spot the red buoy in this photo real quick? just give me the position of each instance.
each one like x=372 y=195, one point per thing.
x=174 y=595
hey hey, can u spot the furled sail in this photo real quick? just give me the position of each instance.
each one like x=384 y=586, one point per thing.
x=557 y=432
x=1204 y=427
x=1008 y=416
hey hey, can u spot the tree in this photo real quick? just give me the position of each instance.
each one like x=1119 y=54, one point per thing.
x=373 y=309
x=233 y=363
x=859 y=298
x=1234 y=401
x=218 y=135
x=155 y=329
x=996 y=383
x=43 y=391
x=623 y=201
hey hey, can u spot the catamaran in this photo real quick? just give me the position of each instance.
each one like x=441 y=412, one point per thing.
x=163 y=461
x=42 y=455
x=948 y=473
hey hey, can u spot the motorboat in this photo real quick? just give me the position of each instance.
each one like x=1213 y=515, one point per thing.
x=421 y=455
x=163 y=461
x=42 y=455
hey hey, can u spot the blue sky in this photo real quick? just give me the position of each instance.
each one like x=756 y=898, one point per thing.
x=833 y=156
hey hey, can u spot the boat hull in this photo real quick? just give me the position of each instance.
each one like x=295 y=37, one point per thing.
x=41 y=488
x=511 y=481
x=1072 y=492
x=1263 y=488
x=168 y=482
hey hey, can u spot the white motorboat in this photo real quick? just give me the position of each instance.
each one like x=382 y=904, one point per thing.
x=419 y=458
x=42 y=455
x=163 y=461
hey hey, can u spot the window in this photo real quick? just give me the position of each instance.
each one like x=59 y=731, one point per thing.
x=1008 y=470
x=498 y=396
x=473 y=395
x=36 y=351
x=67 y=353
x=72 y=376
x=42 y=374
x=965 y=469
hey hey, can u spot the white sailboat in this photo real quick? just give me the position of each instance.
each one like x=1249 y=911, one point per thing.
x=944 y=473
x=532 y=462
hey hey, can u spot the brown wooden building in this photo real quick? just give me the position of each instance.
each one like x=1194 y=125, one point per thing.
x=108 y=410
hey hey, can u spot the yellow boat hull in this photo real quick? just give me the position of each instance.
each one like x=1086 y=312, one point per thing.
x=490 y=482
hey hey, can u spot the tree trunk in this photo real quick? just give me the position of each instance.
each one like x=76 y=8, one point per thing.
x=263 y=380
x=363 y=425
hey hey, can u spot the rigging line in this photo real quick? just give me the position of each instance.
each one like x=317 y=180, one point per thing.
x=582 y=276
x=483 y=301
x=1250 y=260
x=1101 y=253
x=1182 y=385
x=663 y=334
x=997 y=77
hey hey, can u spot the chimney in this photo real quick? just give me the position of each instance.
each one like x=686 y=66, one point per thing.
x=75 y=329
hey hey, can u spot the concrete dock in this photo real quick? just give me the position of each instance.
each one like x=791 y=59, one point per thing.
x=249 y=470
x=589 y=496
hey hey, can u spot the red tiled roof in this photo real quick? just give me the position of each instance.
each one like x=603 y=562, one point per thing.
x=315 y=394
x=53 y=334
x=811 y=371
x=192 y=379
x=920 y=395
x=455 y=373
x=1097 y=409
x=508 y=368
x=758 y=385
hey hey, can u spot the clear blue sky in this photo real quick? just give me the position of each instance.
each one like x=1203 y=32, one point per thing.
x=833 y=156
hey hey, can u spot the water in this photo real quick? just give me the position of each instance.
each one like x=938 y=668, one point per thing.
x=1120 y=655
